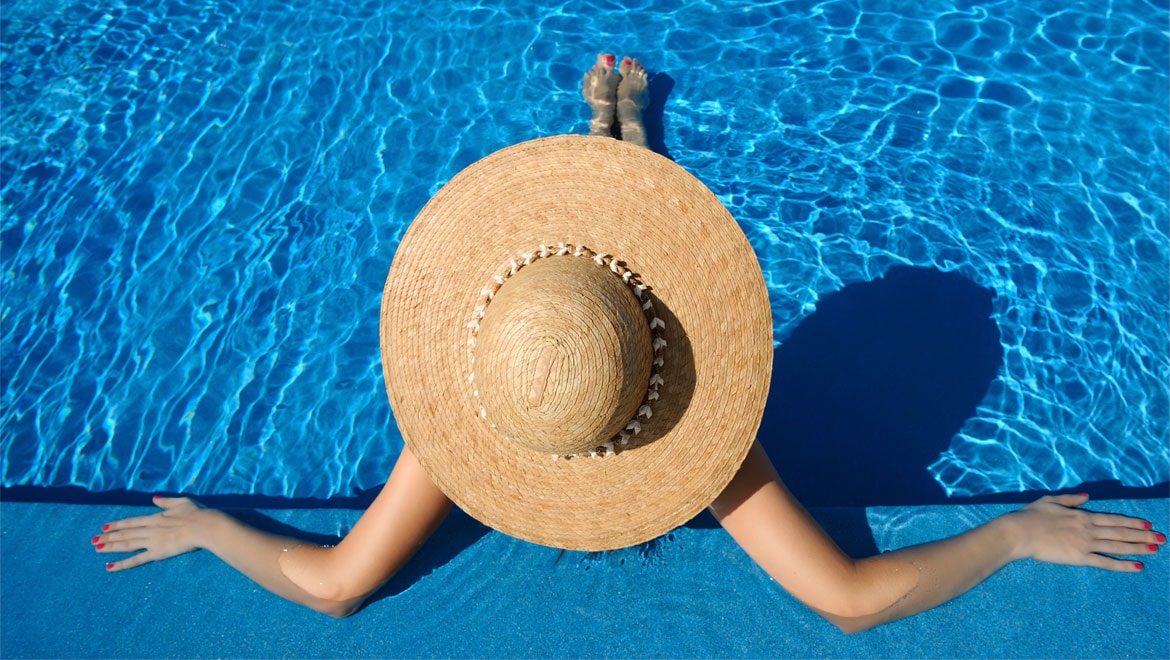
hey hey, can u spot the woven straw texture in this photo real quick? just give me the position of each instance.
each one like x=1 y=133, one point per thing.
x=705 y=284
x=564 y=357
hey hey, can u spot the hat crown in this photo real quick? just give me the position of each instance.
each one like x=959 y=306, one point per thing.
x=563 y=355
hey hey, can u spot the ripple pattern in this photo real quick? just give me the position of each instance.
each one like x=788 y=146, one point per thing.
x=200 y=201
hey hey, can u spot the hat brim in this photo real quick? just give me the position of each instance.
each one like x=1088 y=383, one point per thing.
x=674 y=234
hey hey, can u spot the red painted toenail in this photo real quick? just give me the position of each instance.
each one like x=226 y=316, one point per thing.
x=609 y=60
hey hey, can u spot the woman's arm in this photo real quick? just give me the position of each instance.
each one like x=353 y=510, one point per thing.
x=405 y=513
x=780 y=535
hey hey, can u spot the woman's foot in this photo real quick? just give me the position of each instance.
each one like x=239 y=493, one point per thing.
x=600 y=91
x=632 y=96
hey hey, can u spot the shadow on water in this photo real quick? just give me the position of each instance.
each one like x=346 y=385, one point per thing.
x=870 y=388
x=653 y=117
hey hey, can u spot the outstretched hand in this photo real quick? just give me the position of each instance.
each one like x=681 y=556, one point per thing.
x=173 y=531
x=1054 y=529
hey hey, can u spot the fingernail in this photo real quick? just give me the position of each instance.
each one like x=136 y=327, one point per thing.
x=1083 y=494
x=1148 y=525
x=1160 y=537
x=94 y=539
x=110 y=566
x=106 y=527
x=1137 y=566
x=102 y=545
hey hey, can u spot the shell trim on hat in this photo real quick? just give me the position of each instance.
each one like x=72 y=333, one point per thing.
x=640 y=291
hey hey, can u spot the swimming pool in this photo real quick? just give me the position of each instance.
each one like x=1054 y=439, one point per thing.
x=201 y=201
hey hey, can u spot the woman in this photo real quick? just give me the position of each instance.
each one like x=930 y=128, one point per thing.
x=599 y=401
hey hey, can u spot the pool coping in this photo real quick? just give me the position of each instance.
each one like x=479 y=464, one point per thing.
x=57 y=600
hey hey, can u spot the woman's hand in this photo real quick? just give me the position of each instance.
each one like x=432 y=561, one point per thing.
x=1054 y=529
x=174 y=531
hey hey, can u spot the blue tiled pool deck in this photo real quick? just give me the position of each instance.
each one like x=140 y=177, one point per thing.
x=474 y=593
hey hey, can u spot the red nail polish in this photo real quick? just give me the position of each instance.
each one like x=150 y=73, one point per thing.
x=94 y=539
x=1137 y=566
x=609 y=60
x=100 y=546
x=1148 y=525
x=1160 y=537
x=110 y=566
x=106 y=527
x=1083 y=494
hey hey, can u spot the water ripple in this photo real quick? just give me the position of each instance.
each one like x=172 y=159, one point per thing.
x=200 y=202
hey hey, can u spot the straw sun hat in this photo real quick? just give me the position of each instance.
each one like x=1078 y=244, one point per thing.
x=577 y=342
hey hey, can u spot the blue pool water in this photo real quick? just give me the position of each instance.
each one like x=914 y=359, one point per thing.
x=201 y=199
